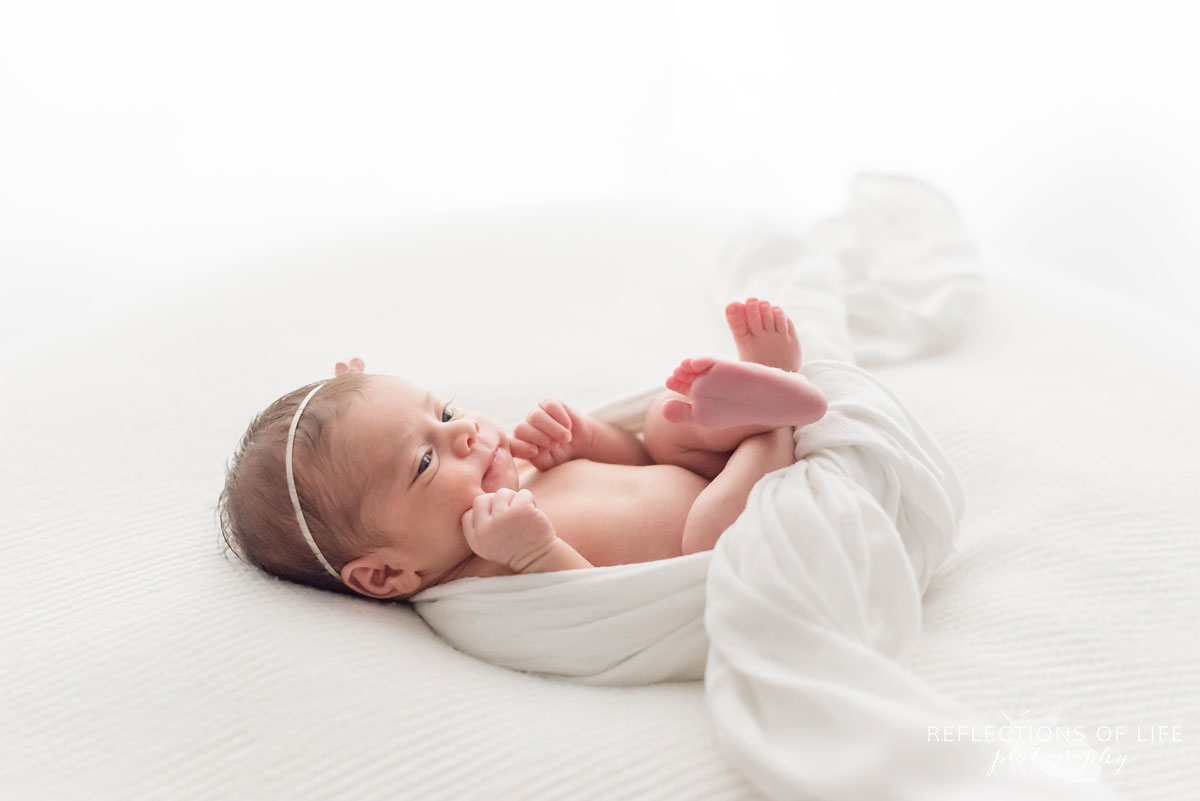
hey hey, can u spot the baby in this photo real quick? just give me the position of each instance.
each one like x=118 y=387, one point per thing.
x=396 y=491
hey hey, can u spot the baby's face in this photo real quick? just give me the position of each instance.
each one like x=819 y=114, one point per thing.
x=433 y=461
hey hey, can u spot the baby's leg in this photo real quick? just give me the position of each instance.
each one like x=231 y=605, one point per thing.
x=699 y=448
x=698 y=425
x=726 y=402
x=720 y=503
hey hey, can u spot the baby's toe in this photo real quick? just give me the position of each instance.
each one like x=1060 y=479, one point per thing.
x=677 y=411
x=676 y=385
x=753 y=316
x=735 y=316
x=764 y=314
x=781 y=319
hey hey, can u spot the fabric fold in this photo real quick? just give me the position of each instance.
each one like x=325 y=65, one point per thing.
x=815 y=591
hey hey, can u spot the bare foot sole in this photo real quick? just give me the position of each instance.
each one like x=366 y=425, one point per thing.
x=764 y=334
x=723 y=393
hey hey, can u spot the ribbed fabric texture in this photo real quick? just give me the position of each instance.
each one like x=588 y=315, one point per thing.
x=137 y=662
x=1075 y=590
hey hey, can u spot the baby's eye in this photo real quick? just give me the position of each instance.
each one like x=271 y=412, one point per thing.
x=427 y=459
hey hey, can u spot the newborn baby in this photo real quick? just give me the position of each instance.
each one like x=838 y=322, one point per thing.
x=396 y=491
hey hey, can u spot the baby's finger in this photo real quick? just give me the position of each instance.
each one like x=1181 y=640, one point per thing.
x=482 y=505
x=525 y=497
x=468 y=524
x=543 y=461
x=503 y=499
x=531 y=435
x=521 y=449
x=558 y=411
x=541 y=420
x=558 y=453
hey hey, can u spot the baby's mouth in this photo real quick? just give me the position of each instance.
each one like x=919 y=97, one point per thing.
x=493 y=459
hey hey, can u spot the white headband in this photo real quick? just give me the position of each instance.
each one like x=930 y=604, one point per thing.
x=292 y=488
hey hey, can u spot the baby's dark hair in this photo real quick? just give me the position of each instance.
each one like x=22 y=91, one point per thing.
x=256 y=517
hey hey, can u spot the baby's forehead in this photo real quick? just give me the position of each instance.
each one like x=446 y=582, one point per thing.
x=392 y=389
x=381 y=411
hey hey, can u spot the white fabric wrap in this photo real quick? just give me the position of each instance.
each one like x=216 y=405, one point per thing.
x=797 y=617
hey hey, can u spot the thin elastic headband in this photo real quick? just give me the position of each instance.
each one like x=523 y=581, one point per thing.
x=292 y=488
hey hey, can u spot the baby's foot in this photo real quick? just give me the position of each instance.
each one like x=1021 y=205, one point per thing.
x=722 y=394
x=764 y=334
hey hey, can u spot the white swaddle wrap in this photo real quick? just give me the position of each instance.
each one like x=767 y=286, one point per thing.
x=643 y=623
x=795 y=619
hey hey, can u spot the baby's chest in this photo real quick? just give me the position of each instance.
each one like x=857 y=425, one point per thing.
x=617 y=514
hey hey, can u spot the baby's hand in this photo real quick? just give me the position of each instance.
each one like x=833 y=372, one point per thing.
x=508 y=528
x=552 y=434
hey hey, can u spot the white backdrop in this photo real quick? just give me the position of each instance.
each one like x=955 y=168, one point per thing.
x=143 y=144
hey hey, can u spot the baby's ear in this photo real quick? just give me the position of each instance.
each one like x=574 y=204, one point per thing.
x=378 y=575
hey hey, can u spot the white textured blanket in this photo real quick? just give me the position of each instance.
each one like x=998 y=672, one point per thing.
x=139 y=661
x=808 y=598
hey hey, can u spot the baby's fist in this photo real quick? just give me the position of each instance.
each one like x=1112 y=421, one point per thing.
x=552 y=434
x=508 y=528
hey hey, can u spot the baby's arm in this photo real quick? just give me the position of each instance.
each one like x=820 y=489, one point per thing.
x=559 y=555
x=615 y=445
x=723 y=500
